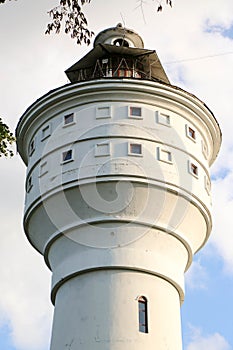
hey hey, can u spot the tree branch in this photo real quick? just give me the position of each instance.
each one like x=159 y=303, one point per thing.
x=71 y=14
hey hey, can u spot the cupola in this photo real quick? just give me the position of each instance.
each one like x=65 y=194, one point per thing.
x=118 y=53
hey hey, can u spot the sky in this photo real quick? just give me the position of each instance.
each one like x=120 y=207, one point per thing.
x=194 y=41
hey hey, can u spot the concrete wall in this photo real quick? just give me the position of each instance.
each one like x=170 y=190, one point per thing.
x=123 y=215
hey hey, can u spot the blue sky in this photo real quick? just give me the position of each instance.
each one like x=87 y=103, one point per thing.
x=198 y=39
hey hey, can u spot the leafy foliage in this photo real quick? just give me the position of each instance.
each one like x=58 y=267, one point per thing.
x=160 y=6
x=6 y=140
x=75 y=22
x=70 y=14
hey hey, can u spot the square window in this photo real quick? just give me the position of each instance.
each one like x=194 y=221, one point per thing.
x=102 y=149
x=190 y=132
x=45 y=132
x=164 y=155
x=31 y=148
x=135 y=149
x=135 y=112
x=163 y=118
x=69 y=119
x=103 y=112
x=67 y=156
x=193 y=169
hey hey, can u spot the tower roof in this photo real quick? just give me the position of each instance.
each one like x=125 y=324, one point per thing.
x=118 y=52
x=151 y=67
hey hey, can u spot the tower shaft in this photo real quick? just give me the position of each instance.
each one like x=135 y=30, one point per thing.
x=118 y=197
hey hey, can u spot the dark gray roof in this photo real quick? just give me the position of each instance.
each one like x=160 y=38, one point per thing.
x=149 y=59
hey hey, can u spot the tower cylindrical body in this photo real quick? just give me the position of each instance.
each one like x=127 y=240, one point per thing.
x=118 y=200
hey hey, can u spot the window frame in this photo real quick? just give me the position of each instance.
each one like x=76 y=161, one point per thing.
x=135 y=116
x=160 y=118
x=43 y=170
x=100 y=116
x=193 y=169
x=29 y=184
x=65 y=124
x=204 y=148
x=207 y=184
x=31 y=149
x=44 y=135
x=130 y=144
x=98 y=153
x=160 y=152
x=64 y=161
x=191 y=133
x=143 y=314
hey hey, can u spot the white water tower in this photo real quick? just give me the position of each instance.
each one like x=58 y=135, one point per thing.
x=118 y=195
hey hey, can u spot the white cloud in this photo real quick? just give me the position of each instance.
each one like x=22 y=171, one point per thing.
x=222 y=213
x=25 y=280
x=196 y=277
x=202 y=342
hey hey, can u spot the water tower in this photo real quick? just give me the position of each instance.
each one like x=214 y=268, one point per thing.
x=118 y=195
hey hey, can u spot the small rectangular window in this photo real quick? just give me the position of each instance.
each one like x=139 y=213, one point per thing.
x=103 y=112
x=193 y=169
x=135 y=149
x=204 y=149
x=45 y=132
x=67 y=156
x=102 y=149
x=29 y=184
x=135 y=112
x=43 y=169
x=190 y=132
x=31 y=148
x=207 y=185
x=163 y=119
x=164 y=155
x=69 y=119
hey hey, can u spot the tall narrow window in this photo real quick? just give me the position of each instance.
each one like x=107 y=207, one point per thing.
x=142 y=314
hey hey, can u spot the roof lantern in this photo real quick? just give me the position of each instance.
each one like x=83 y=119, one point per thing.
x=118 y=53
x=119 y=36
